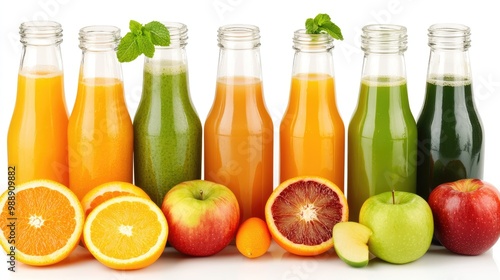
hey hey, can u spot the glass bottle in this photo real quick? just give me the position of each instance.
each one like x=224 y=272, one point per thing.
x=37 y=141
x=312 y=131
x=382 y=134
x=450 y=134
x=238 y=130
x=100 y=133
x=167 y=129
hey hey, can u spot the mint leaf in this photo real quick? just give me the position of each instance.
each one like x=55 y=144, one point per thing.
x=128 y=49
x=323 y=23
x=144 y=43
x=332 y=29
x=320 y=19
x=311 y=27
x=142 y=40
x=135 y=27
x=159 y=33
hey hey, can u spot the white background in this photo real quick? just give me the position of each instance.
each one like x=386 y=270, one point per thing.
x=277 y=21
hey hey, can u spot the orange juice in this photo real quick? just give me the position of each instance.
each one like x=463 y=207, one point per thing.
x=37 y=141
x=311 y=131
x=100 y=136
x=239 y=143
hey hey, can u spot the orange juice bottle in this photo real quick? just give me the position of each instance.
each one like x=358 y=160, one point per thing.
x=312 y=131
x=37 y=141
x=100 y=132
x=238 y=130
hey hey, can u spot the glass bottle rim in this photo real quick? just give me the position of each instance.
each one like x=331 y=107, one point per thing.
x=178 y=34
x=40 y=33
x=303 y=41
x=238 y=36
x=99 y=37
x=384 y=38
x=449 y=36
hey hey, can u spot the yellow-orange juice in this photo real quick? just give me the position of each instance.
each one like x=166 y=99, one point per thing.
x=311 y=131
x=37 y=141
x=100 y=136
x=239 y=143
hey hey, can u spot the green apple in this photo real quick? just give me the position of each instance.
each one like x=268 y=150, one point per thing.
x=350 y=240
x=401 y=223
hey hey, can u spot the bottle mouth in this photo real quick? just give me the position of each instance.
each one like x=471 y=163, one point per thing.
x=449 y=36
x=239 y=36
x=178 y=34
x=99 y=37
x=312 y=42
x=41 y=33
x=384 y=38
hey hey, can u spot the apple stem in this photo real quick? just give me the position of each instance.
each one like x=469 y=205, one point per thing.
x=201 y=194
x=393 y=199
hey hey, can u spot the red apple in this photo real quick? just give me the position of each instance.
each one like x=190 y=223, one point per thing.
x=466 y=215
x=202 y=217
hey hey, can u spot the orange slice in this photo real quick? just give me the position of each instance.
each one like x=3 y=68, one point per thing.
x=301 y=213
x=109 y=190
x=126 y=232
x=41 y=222
x=253 y=238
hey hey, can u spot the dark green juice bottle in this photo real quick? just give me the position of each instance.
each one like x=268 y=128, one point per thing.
x=450 y=134
x=167 y=129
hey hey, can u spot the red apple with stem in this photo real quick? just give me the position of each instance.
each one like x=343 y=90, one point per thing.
x=466 y=215
x=202 y=217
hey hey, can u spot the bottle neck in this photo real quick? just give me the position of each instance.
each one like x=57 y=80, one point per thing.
x=239 y=54
x=449 y=56
x=98 y=44
x=41 y=47
x=313 y=54
x=171 y=59
x=384 y=47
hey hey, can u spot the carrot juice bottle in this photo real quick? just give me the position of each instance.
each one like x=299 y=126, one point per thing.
x=100 y=132
x=37 y=141
x=312 y=131
x=238 y=130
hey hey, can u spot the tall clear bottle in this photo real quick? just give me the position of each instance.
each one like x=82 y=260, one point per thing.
x=312 y=131
x=100 y=133
x=382 y=134
x=167 y=129
x=37 y=141
x=450 y=134
x=238 y=130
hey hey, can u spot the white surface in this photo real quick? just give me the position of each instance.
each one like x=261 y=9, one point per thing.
x=277 y=20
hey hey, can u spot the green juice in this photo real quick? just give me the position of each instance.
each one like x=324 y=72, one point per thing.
x=382 y=142
x=167 y=130
x=450 y=135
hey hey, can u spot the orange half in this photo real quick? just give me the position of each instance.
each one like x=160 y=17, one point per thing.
x=301 y=213
x=44 y=223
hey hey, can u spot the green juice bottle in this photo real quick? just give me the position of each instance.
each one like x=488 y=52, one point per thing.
x=382 y=134
x=167 y=129
x=450 y=134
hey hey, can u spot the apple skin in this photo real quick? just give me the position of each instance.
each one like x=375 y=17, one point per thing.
x=350 y=240
x=402 y=231
x=202 y=216
x=466 y=215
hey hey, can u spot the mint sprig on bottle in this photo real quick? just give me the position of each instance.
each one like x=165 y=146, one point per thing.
x=142 y=39
x=323 y=23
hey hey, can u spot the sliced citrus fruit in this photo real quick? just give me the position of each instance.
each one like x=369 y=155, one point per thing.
x=109 y=190
x=301 y=213
x=253 y=238
x=41 y=222
x=126 y=232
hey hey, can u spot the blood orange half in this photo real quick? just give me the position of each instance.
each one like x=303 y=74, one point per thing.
x=301 y=213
